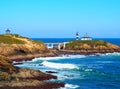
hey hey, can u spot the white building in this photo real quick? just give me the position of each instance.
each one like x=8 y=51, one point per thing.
x=86 y=37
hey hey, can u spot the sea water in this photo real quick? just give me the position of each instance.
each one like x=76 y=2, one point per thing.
x=82 y=72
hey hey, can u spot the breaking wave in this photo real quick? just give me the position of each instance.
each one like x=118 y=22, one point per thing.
x=59 y=57
x=109 y=54
x=70 y=86
x=59 y=65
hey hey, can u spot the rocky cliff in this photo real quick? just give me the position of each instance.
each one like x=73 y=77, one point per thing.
x=15 y=46
x=18 y=48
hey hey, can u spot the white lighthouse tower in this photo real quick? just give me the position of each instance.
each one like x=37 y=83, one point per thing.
x=77 y=36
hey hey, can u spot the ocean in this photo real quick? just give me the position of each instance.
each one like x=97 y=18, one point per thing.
x=80 y=71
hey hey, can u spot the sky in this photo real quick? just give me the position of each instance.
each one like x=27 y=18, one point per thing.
x=61 y=18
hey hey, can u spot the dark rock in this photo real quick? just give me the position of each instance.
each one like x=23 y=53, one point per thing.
x=17 y=63
x=40 y=64
x=12 y=77
x=69 y=75
x=51 y=72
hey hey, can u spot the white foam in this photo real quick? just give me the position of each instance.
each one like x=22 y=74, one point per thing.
x=70 y=86
x=59 y=65
x=59 y=57
x=26 y=65
x=111 y=54
x=88 y=70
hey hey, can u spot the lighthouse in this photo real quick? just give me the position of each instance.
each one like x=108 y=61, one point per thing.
x=77 y=36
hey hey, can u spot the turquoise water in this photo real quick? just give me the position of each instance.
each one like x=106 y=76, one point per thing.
x=80 y=71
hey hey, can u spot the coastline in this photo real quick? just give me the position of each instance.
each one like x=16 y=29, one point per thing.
x=24 y=49
x=55 y=53
x=37 y=79
x=29 y=57
x=86 y=52
x=68 y=76
x=12 y=77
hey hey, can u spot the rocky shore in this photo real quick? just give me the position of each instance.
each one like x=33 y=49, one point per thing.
x=29 y=57
x=86 y=52
x=14 y=47
x=15 y=78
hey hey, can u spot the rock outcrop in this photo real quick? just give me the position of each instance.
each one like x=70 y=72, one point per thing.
x=90 y=47
x=17 y=47
x=15 y=78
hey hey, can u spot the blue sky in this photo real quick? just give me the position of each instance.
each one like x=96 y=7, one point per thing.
x=61 y=18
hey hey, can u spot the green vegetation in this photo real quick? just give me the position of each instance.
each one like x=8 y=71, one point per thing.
x=15 y=35
x=9 y=39
x=90 y=43
x=95 y=42
x=12 y=35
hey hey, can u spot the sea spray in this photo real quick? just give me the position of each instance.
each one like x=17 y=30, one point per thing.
x=59 y=57
x=59 y=65
x=70 y=86
x=102 y=69
x=110 y=54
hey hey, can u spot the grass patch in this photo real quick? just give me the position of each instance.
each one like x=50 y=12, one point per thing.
x=8 y=39
x=91 y=43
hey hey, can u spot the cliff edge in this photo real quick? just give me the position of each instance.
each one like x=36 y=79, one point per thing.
x=17 y=47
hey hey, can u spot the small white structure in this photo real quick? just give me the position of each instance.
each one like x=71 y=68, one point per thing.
x=86 y=37
x=51 y=45
x=7 y=31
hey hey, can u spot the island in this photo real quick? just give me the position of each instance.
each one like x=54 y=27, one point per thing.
x=88 y=47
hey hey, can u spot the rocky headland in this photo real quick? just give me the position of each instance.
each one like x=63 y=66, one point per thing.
x=14 y=47
x=89 y=47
